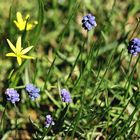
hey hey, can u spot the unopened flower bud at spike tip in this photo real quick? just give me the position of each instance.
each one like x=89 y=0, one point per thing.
x=134 y=46
x=32 y=91
x=88 y=22
x=49 y=121
x=65 y=96
x=12 y=95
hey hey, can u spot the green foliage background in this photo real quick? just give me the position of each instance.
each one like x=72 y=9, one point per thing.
x=95 y=67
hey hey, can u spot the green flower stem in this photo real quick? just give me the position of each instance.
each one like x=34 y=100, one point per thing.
x=17 y=111
x=19 y=87
x=77 y=58
x=135 y=29
x=131 y=77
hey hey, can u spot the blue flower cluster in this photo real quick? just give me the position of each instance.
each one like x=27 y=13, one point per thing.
x=33 y=91
x=49 y=121
x=12 y=95
x=134 y=46
x=88 y=22
x=65 y=95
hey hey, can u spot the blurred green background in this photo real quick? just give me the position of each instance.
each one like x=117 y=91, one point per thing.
x=105 y=75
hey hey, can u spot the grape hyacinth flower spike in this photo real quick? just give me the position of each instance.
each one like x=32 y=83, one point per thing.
x=134 y=46
x=33 y=91
x=49 y=121
x=12 y=95
x=65 y=96
x=88 y=22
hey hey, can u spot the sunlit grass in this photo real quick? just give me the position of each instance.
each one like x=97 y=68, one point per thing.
x=94 y=67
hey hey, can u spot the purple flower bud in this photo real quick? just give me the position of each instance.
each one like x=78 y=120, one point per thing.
x=65 y=95
x=134 y=46
x=33 y=91
x=12 y=95
x=88 y=22
x=49 y=121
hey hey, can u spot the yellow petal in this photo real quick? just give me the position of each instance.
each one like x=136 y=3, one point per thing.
x=27 y=16
x=35 y=22
x=11 y=54
x=11 y=46
x=19 y=60
x=19 y=26
x=19 y=17
x=29 y=26
x=22 y=26
x=27 y=50
x=18 y=44
x=27 y=57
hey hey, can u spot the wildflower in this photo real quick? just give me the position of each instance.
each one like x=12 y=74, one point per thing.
x=21 y=23
x=33 y=91
x=88 y=22
x=12 y=95
x=49 y=121
x=65 y=95
x=134 y=46
x=18 y=51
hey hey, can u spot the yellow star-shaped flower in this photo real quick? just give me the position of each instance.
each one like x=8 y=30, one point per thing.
x=21 y=23
x=18 y=51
